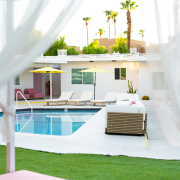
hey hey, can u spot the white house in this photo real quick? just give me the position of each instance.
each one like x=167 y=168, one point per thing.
x=123 y=67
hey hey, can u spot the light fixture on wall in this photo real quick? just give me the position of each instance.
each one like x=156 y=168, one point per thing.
x=137 y=71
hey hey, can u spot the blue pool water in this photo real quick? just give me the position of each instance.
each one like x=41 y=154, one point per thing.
x=51 y=122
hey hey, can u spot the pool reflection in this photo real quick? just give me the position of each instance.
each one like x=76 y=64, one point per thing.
x=50 y=124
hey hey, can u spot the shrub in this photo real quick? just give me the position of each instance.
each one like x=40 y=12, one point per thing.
x=121 y=45
x=145 y=98
x=60 y=44
x=72 y=51
x=94 y=48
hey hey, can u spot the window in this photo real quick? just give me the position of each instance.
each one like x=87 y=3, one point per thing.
x=17 y=80
x=76 y=76
x=81 y=77
x=120 y=73
x=117 y=73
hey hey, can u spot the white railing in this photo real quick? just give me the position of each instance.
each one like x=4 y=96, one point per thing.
x=17 y=107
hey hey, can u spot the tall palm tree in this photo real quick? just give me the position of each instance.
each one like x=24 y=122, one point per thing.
x=128 y=6
x=100 y=32
x=114 y=16
x=141 y=32
x=86 y=19
x=108 y=14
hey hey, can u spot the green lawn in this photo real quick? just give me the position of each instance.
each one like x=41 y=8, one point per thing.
x=99 y=167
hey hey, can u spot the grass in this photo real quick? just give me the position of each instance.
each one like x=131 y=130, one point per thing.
x=99 y=167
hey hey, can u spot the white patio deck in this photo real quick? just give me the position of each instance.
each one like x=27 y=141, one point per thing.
x=91 y=139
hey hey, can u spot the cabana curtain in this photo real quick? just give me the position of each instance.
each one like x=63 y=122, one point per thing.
x=21 y=46
x=161 y=22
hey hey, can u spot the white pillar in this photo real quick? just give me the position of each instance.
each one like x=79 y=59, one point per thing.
x=50 y=85
x=10 y=148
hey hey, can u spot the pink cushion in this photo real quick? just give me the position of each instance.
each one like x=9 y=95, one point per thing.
x=26 y=90
x=25 y=95
x=32 y=91
x=37 y=95
x=26 y=175
x=131 y=103
x=16 y=90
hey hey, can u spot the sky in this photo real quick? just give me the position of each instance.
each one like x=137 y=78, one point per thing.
x=75 y=30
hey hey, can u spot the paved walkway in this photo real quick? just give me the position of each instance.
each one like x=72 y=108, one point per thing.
x=91 y=139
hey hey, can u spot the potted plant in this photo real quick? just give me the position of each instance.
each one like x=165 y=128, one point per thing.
x=130 y=86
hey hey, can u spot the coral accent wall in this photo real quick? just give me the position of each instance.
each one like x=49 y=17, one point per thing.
x=37 y=78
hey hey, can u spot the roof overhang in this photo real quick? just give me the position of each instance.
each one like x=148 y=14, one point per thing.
x=147 y=57
x=95 y=58
x=49 y=60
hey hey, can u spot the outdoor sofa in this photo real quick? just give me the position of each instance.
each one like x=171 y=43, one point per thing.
x=124 y=119
x=65 y=96
x=109 y=98
x=33 y=93
x=85 y=97
x=27 y=96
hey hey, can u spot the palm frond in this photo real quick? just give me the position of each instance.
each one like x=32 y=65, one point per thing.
x=114 y=15
x=141 y=31
x=128 y=5
x=86 y=19
x=100 y=31
x=133 y=6
x=125 y=32
x=108 y=12
x=124 y=5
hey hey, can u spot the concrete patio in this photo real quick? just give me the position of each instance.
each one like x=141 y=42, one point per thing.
x=91 y=138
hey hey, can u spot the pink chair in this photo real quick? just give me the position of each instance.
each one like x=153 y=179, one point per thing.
x=33 y=93
x=27 y=96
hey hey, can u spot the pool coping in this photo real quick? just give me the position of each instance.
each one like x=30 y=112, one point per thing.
x=56 y=108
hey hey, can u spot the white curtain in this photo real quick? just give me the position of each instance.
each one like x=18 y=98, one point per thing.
x=20 y=46
x=162 y=32
x=14 y=56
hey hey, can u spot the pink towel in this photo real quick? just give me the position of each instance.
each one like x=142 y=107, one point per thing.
x=131 y=103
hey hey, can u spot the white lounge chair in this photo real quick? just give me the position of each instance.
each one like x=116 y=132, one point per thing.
x=65 y=96
x=85 y=97
x=109 y=98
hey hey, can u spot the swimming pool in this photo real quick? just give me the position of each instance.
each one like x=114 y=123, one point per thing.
x=51 y=122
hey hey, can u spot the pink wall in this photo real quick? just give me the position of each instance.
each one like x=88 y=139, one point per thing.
x=37 y=78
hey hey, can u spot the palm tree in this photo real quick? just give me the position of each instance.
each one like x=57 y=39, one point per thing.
x=108 y=14
x=113 y=16
x=86 y=19
x=141 y=32
x=100 y=32
x=128 y=5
